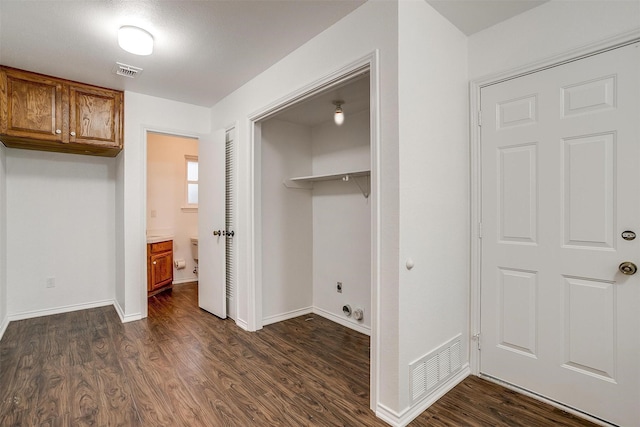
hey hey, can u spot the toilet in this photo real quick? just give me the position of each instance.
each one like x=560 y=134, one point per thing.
x=194 y=252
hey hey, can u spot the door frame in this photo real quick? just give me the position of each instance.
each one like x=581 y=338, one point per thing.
x=475 y=86
x=253 y=238
x=144 y=308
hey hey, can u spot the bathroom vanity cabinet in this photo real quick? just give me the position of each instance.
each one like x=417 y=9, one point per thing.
x=39 y=112
x=159 y=266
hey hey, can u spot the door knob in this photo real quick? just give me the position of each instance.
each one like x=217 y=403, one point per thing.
x=628 y=268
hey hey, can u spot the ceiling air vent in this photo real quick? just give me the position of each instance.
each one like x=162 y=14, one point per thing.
x=126 y=70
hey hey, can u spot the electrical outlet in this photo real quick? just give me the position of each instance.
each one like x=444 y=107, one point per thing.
x=339 y=287
x=51 y=282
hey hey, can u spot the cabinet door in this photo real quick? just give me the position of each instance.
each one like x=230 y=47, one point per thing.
x=161 y=270
x=95 y=116
x=31 y=106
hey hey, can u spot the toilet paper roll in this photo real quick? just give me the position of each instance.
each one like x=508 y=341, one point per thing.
x=180 y=263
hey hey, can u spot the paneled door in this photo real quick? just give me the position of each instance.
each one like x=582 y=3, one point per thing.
x=560 y=206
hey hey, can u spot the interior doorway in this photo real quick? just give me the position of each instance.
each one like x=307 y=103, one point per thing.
x=171 y=210
x=366 y=66
x=315 y=211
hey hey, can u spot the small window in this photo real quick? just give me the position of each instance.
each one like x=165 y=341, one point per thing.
x=192 y=181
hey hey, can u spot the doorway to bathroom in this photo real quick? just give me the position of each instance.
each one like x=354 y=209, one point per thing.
x=171 y=211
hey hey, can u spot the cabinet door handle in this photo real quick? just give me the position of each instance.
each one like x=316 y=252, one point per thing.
x=58 y=131
x=73 y=134
x=154 y=262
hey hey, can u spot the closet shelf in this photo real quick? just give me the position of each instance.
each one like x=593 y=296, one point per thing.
x=306 y=182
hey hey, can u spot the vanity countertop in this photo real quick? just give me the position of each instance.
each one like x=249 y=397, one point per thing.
x=156 y=238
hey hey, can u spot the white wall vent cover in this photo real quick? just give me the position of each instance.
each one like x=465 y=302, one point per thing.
x=435 y=368
x=126 y=70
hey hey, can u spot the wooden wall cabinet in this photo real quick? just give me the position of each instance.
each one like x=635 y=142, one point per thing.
x=38 y=112
x=159 y=266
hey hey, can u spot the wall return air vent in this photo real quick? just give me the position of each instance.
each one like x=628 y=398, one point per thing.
x=126 y=70
x=434 y=369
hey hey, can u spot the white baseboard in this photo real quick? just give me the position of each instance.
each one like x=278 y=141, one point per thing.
x=387 y=415
x=125 y=318
x=405 y=417
x=286 y=316
x=58 y=310
x=3 y=326
x=242 y=324
x=315 y=310
x=342 y=321
x=187 y=280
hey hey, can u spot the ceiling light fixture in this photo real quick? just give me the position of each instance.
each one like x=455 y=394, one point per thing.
x=135 y=40
x=338 y=117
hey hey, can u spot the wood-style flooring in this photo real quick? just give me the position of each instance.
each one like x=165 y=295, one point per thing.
x=184 y=367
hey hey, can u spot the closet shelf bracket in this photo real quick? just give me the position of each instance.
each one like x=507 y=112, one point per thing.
x=305 y=185
x=365 y=187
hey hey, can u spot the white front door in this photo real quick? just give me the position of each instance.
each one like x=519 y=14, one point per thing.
x=211 y=241
x=560 y=185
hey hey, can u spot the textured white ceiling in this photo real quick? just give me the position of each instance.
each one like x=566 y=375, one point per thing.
x=204 y=49
x=471 y=16
x=320 y=108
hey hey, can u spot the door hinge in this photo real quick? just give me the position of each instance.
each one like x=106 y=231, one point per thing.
x=476 y=338
x=479 y=230
x=479 y=117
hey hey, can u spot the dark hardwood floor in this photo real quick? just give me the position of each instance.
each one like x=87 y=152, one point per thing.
x=184 y=367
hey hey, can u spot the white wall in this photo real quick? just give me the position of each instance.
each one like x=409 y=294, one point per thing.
x=342 y=220
x=143 y=113
x=371 y=27
x=423 y=174
x=61 y=224
x=3 y=242
x=166 y=197
x=434 y=185
x=315 y=238
x=343 y=148
x=548 y=30
x=286 y=221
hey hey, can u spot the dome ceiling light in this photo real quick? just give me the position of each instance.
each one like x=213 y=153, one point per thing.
x=135 y=40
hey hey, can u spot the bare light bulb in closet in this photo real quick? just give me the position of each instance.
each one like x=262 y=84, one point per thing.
x=338 y=117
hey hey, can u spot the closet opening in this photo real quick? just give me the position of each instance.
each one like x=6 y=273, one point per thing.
x=316 y=215
x=314 y=236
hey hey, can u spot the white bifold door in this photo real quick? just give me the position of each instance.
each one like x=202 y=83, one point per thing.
x=217 y=281
x=560 y=309
x=212 y=242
